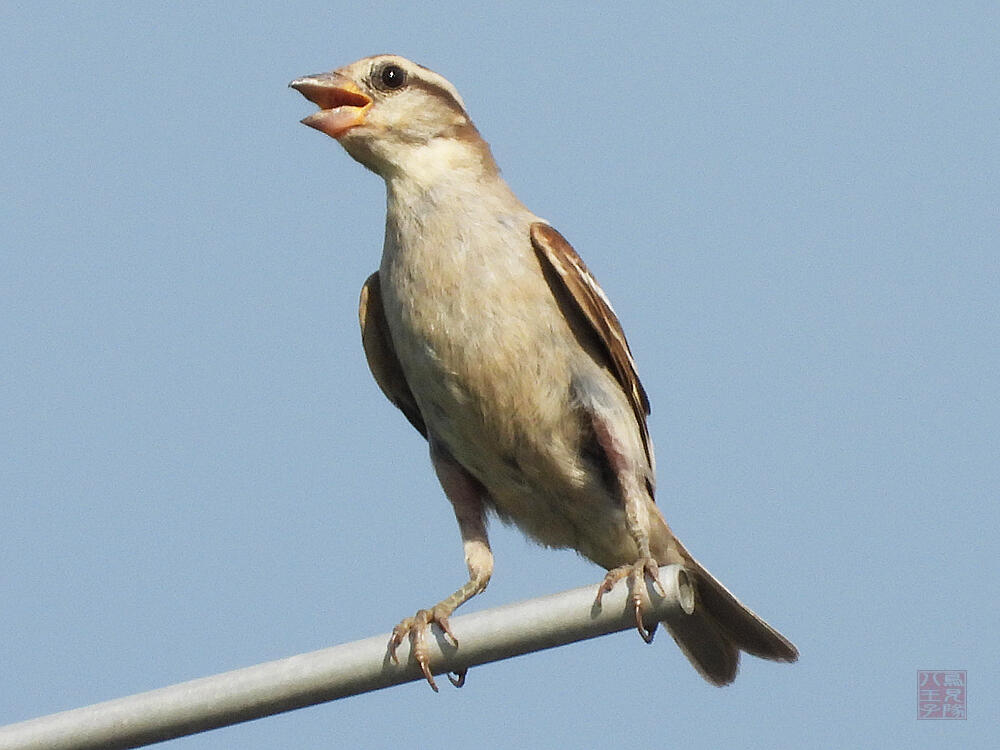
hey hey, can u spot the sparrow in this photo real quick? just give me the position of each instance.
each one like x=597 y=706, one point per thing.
x=484 y=327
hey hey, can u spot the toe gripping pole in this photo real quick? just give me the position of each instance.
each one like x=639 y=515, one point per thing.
x=348 y=669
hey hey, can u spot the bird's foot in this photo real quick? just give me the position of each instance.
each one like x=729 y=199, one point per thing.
x=417 y=628
x=637 y=573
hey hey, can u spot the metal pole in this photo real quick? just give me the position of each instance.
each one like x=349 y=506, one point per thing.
x=348 y=669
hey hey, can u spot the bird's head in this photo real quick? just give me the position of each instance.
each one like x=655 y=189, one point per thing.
x=393 y=115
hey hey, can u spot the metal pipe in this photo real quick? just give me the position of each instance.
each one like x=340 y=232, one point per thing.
x=348 y=669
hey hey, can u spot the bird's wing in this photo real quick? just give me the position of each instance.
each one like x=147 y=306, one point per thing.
x=382 y=359
x=590 y=301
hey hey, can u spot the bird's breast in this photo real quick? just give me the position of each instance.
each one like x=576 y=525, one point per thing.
x=482 y=343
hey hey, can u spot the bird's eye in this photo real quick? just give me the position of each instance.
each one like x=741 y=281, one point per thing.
x=391 y=77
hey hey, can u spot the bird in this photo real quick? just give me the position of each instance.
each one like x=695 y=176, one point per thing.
x=485 y=328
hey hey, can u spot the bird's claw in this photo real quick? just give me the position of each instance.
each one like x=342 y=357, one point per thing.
x=416 y=628
x=636 y=574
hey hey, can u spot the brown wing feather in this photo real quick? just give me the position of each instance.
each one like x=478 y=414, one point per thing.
x=590 y=300
x=382 y=360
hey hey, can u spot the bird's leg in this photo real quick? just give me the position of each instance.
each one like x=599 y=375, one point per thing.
x=634 y=499
x=466 y=496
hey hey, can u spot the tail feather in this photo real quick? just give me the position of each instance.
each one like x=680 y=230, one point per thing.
x=746 y=629
x=707 y=646
x=720 y=627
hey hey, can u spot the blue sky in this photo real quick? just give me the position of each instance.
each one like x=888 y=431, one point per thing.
x=794 y=208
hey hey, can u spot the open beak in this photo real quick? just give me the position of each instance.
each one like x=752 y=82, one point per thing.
x=341 y=103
